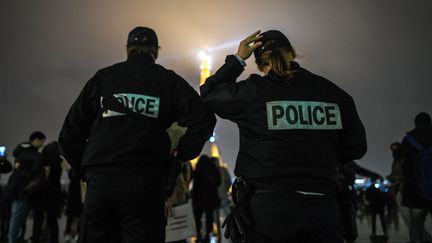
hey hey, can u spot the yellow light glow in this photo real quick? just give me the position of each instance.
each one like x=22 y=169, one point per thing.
x=205 y=73
x=214 y=150
x=205 y=66
x=194 y=162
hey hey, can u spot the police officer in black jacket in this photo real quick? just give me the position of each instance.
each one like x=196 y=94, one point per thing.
x=296 y=128
x=115 y=134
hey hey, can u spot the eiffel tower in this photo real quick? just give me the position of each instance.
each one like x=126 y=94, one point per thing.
x=205 y=68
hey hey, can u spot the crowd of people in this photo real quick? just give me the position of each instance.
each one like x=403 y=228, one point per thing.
x=34 y=190
x=299 y=137
x=385 y=198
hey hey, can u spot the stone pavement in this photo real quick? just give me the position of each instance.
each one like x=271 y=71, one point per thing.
x=397 y=229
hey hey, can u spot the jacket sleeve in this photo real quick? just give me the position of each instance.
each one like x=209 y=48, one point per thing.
x=353 y=135
x=76 y=127
x=223 y=95
x=191 y=113
x=365 y=172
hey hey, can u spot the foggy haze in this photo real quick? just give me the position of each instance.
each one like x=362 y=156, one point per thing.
x=378 y=51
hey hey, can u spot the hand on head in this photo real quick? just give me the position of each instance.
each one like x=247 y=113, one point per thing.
x=248 y=45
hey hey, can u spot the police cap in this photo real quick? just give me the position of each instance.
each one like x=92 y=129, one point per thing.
x=271 y=39
x=142 y=36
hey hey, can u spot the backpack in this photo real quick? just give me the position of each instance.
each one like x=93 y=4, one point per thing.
x=422 y=168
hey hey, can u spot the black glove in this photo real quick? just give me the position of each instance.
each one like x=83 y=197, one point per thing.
x=235 y=225
x=173 y=172
x=238 y=220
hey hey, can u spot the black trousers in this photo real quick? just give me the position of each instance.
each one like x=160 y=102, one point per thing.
x=281 y=217
x=209 y=219
x=122 y=209
x=39 y=210
x=380 y=212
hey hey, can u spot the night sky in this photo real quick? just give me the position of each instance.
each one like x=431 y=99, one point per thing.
x=378 y=51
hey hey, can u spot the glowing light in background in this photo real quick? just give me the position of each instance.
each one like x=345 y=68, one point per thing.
x=226 y=45
x=360 y=181
x=2 y=150
x=205 y=66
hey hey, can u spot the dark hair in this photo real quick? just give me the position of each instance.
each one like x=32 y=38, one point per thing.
x=36 y=135
x=205 y=164
x=215 y=161
x=423 y=121
x=146 y=49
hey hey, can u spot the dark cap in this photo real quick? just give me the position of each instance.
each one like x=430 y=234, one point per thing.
x=142 y=36
x=271 y=39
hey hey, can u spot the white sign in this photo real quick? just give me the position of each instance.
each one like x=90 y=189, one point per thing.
x=181 y=223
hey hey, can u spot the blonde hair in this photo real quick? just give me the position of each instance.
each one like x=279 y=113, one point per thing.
x=280 y=59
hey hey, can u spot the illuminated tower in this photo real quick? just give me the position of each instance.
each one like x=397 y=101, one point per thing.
x=205 y=68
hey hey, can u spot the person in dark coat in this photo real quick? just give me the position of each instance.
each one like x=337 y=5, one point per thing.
x=205 y=196
x=377 y=200
x=411 y=197
x=115 y=136
x=48 y=202
x=22 y=184
x=5 y=167
x=296 y=128
x=396 y=174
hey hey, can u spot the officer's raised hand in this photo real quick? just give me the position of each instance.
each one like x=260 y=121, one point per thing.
x=248 y=45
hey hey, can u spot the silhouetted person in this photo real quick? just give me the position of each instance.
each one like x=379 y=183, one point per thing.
x=205 y=198
x=115 y=136
x=377 y=201
x=24 y=182
x=5 y=167
x=46 y=204
x=223 y=192
x=411 y=195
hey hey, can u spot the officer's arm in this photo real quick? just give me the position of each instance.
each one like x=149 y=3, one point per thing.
x=191 y=113
x=76 y=127
x=365 y=172
x=353 y=135
x=223 y=95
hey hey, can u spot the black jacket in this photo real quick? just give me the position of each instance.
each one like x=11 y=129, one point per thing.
x=410 y=192
x=29 y=158
x=206 y=181
x=303 y=149
x=30 y=161
x=52 y=160
x=97 y=133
